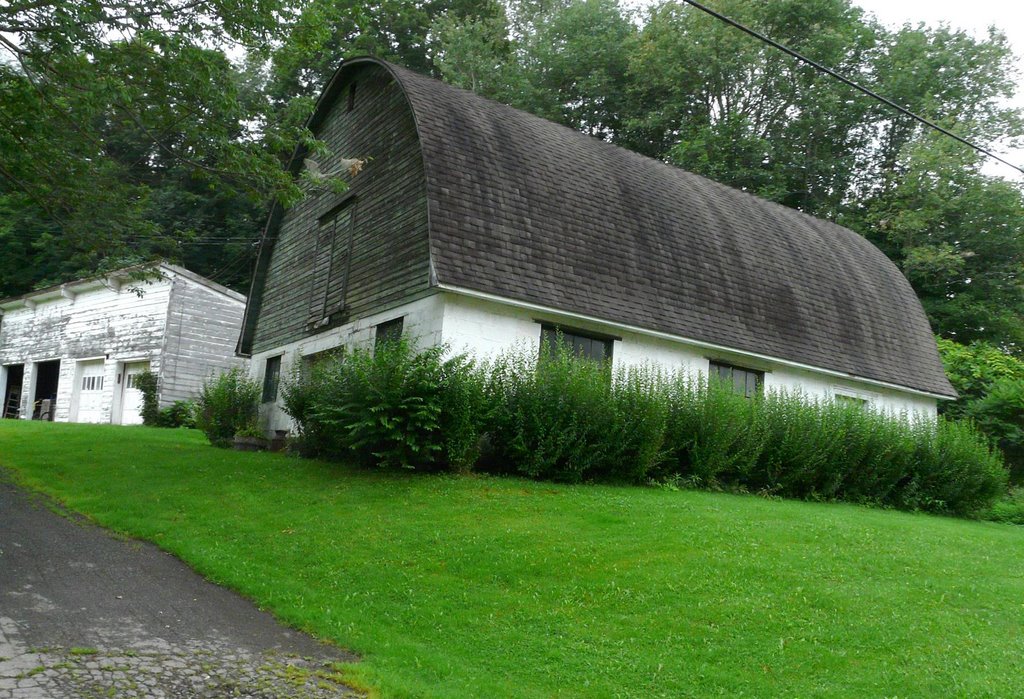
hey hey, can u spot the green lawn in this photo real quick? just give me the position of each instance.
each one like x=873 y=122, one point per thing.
x=485 y=587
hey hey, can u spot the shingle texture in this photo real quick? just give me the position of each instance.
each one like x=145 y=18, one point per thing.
x=526 y=209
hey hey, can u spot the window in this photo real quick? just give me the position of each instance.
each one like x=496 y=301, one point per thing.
x=582 y=344
x=746 y=382
x=92 y=383
x=330 y=265
x=312 y=361
x=389 y=331
x=351 y=98
x=271 y=378
x=851 y=401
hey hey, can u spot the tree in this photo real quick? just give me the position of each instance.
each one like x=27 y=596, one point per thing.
x=718 y=102
x=991 y=387
x=565 y=60
x=107 y=105
x=958 y=235
x=327 y=31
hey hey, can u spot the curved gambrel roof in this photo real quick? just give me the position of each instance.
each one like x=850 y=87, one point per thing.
x=523 y=208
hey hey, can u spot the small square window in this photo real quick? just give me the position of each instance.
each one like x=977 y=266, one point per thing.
x=271 y=378
x=390 y=331
x=745 y=382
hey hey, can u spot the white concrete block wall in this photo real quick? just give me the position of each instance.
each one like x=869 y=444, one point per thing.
x=421 y=323
x=484 y=328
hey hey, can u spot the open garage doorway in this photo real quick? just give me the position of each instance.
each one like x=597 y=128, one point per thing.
x=44 y=398
x=14 y=379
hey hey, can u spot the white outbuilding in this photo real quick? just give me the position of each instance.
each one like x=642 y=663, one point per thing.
x=72 y=352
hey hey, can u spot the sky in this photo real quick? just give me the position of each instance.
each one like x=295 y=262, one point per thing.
x=974 y=16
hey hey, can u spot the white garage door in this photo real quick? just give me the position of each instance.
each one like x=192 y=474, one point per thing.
x=90 y=391
x=131 y=399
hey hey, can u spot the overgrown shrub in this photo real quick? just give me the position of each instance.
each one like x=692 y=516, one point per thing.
x=566 y=418
x=569 y=419
x=392 y=406
x=956 y=470
x=711 y=435
x=1000 y=415
x=149 y=385
x=182 y=413
x=1009 y=509
x=227 y=404
x=991 y=387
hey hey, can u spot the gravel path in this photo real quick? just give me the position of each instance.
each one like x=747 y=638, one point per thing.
x=84 y=614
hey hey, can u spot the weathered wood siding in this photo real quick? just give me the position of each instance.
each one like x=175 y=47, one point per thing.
x=389 y=261
x=202 y=330
x=102 y=323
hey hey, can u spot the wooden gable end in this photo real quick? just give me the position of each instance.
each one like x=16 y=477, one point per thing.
x=338 y=257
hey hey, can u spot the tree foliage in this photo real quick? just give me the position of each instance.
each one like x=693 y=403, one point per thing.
x=121 y=117
x=991 y=386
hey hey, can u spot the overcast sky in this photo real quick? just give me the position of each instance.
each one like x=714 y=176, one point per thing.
x=974 y=16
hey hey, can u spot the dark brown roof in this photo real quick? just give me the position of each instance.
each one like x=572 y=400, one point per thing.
x=523 y=208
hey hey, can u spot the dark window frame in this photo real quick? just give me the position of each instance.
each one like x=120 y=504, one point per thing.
x=388 y=331
x=271 y=378
x=583 y=342
x=728 y=373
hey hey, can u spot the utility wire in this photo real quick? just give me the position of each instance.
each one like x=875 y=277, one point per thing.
x=847 y=81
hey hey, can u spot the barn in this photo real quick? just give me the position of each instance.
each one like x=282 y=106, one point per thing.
x=481 y=226
x=71 y=352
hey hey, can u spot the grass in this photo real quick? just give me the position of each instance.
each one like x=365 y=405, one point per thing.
x=468 y=586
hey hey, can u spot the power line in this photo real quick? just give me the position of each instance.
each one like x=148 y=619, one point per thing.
x=838 y=76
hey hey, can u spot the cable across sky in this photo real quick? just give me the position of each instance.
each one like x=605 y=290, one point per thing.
x=842 y=78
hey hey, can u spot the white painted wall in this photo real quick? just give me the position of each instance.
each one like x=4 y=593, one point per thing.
x=484 y=328
x=421 y=323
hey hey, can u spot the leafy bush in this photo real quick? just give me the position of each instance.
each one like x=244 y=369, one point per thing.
x=390 y=407
x=711 y=435
x=149 y=385
x=227 y=404
x=1000 y=415
x=181 y=414
x=973 y=369
x=991 y=387
x=789 y=446
x=569 y=419
x=955 y=472
x=1009 y=509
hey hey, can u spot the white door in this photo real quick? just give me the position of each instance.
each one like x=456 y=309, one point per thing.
x=131 y=397
x=90 y=391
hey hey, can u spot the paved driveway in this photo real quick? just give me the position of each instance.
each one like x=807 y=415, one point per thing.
x=84 y=614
